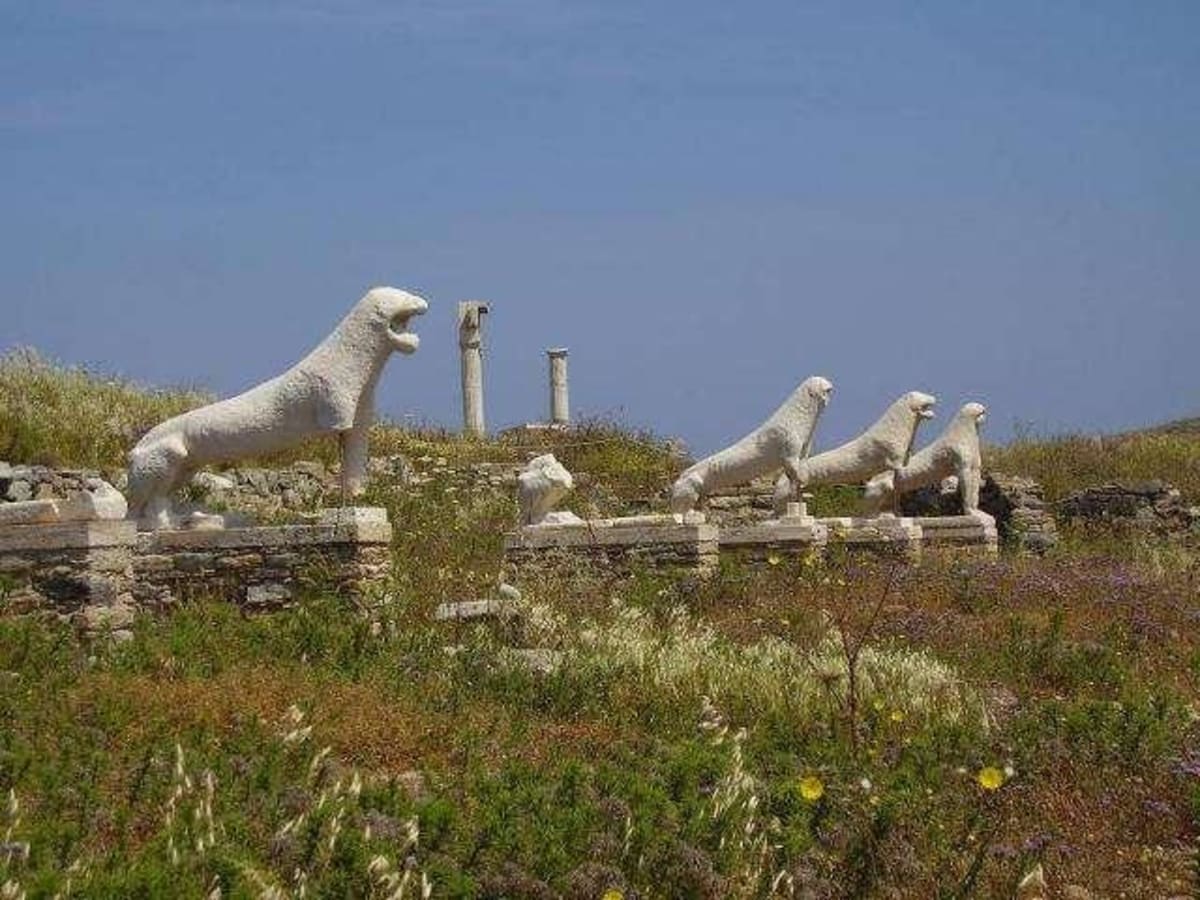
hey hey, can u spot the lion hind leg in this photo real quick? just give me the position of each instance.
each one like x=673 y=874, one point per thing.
x=686 y=493
x=878 y=493
x=154 y=472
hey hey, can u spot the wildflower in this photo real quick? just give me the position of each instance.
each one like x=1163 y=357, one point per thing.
x=773 y=560
x=897 y=716
x=613 y=894
x=865 y=784
x=812 y=788
x=990 y=778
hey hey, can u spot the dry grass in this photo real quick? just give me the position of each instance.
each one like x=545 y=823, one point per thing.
x=66 y=416
x=1070 y=463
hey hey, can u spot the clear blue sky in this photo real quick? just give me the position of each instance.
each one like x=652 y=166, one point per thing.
x=706 y=201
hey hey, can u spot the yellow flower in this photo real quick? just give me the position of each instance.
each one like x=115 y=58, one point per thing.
x=897 y=715
x=811 y=788
x=612 y=894
x=773 y=560
x=990 y=778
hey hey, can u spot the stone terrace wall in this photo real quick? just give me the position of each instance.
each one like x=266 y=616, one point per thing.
x=1146 y=505
x=265 y=567
x=78 y=571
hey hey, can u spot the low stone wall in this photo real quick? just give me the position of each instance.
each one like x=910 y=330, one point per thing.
x=22 y=482
x=1144 y=505
x=266 y=567
x=690 y=548
x=1023 y=518
x=79 y=571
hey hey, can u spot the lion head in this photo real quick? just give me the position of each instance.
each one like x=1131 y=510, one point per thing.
x=392 y=309
x=919 y=404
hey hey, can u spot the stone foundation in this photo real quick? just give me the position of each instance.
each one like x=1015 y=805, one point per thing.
x=884 y=535
x=762 y=541
x=640 y=543
x=969 y=535
x=266 y=567
x=80 y=571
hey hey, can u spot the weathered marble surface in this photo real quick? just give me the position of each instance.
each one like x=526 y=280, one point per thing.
x=781 y=442
x=541 y=485
x=886 y=535
x=955 y=452
x=973 y=533
x=470 y=345
x=763 y=541
x=560 y=400
x=884 y=447
x=329 y=391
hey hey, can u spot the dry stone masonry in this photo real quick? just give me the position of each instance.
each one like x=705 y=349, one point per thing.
x=266 y=567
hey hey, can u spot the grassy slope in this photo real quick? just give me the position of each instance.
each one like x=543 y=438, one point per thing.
x=616 y=772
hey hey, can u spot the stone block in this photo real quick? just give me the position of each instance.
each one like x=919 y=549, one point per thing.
x=759 y=541
x=667 y=545
x=883 y=534
x=974 y=534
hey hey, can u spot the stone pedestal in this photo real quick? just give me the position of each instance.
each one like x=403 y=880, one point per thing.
x=885 y=535
x=78 y=570
x=651 y=542
x=265 y=567
x=972 y=535
x=758 y=542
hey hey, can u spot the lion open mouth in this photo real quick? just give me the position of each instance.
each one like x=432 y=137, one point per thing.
x=403 y=339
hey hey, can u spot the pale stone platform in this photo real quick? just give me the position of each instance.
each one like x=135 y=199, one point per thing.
x=972 y=534
x=885 y=534
x=759 y=541
x=264 y=567
x=652 y=542
x=80 y=570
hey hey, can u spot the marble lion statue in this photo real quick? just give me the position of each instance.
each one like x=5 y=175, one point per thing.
x=954 y=452
x=882 y=448
x=782 y=441
x=541 y=485
x=330 y=391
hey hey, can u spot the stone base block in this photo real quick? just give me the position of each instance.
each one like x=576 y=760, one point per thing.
x=264 y=567
x=761 y=541
x=79 y=570
x=886 y=535
x=972 y=534
x=611 y=544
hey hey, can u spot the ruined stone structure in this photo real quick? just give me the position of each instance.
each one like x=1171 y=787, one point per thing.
x=266 y=567
x=560 y=402
x=470 y=346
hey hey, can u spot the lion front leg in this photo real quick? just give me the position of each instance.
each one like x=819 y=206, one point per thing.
x=969 y=478
x=354 y=462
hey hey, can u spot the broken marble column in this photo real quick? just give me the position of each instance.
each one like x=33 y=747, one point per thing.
x=470 y=343
x=560 y=405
